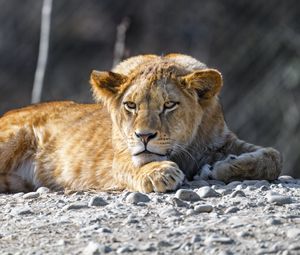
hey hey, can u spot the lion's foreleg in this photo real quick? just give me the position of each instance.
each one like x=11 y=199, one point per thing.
x=248 y=161
x=158 y=176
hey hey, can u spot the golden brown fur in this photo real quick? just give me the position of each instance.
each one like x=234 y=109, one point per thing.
x=167 y=105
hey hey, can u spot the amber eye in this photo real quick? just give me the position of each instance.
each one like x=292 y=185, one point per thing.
x=130 y=106
x=170 y=105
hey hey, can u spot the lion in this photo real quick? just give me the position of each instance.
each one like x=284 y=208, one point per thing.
x=157 y=120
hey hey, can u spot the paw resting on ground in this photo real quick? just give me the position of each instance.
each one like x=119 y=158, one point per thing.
x=160 y=177
x=217 y=171
x=230 y=167
x=264 y=163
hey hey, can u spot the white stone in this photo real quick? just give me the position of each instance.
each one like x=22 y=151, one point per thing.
x=31 y=195
x=238 y=193
x=287 y=179
x=293 y=233
x=279 y=199
x=218 y=239
x=187 y=195
x=97 y=201
x=43 y=190
x=137 y=197
x=232 y=209
x=94 y=248
x=203 y=208
x=206 y=192
x=75 y=206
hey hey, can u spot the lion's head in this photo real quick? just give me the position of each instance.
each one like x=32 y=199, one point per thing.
x=158 y=105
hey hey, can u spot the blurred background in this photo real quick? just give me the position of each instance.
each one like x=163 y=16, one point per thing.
x=254 y=43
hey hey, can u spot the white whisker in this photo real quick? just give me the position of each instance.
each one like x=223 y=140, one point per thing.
x=182 y=149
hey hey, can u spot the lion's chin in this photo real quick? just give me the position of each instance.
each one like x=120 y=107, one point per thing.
x=145 y=158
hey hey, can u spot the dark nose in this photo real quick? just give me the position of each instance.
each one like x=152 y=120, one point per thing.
x=145 y=137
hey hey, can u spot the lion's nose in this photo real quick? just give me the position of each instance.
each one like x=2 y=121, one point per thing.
x=145 y=137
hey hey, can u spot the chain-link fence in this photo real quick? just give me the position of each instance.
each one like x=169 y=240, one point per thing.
x=255 y=44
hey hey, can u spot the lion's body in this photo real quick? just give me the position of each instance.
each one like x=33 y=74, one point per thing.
x=98 y=146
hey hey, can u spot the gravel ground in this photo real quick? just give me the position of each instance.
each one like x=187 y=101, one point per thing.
x=203 y=217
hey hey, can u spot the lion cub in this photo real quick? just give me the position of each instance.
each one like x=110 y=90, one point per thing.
x=157 y=121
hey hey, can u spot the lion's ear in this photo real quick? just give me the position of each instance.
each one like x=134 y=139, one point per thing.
x=207 y=82
x=106 y=84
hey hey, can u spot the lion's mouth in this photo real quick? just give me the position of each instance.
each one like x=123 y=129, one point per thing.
x=145 y=152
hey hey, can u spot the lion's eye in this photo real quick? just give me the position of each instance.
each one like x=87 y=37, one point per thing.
x=130 y=106
x=170 y=105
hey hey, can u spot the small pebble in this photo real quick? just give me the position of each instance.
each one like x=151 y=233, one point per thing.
x=293 y=233
x=232 y=209
x=163 y=243
x=273 y=222
x=241 y=186
x=224 y=192
x=206 y=192
x=136 y=197
x=190 y=212
x=250 y=182
x=97 y=201
x=126 y=248
x=203 y=208
x=225 y=253
x=279 y=199
x=43 y=190
x=218 y=239
x=157 y=200
x=262 y=183
x=238 y=193
x=61 y=242
x=75 y=206
x=287 y=179
x=90 y=228
x=23 y=211
x=294 y=246
x=147 y=247
x=185 y=246
x=131 y=219
x=264 y=188
x=177 y=202
x=244 y=234
x=30 y=195
x=187 y=195
x=19 y=194
x=233 y=184
x=95 y=249
x=104 y=230
x=251 y=188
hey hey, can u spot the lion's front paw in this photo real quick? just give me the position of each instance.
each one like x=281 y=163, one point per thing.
x=264 y=163
x=227 y=170
x=160 y=177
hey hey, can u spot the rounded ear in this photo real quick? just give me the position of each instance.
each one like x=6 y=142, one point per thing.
x=206 y=82
x=105 y=84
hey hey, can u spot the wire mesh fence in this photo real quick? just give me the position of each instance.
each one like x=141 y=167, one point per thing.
x=255 y=44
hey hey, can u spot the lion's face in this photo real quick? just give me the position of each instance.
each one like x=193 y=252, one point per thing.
x=157 y=115
x=154 y=121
